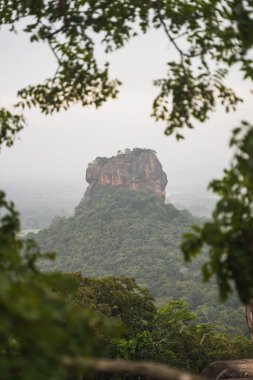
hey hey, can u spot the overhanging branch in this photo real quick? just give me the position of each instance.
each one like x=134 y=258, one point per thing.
x=145 y=369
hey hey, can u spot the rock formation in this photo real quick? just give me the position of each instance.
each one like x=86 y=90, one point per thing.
x=137 y=169
x=230 y=369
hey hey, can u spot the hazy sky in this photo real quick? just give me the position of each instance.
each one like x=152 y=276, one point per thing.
x=61 y=146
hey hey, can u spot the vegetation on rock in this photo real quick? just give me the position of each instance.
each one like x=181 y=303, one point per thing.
x=123 y=232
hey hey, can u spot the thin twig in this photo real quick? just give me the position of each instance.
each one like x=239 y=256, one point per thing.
x=203 y=338
x=167 y=32
x=53 y=50
x=55 y=32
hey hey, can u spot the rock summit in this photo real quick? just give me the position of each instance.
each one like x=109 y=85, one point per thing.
x=137 y=169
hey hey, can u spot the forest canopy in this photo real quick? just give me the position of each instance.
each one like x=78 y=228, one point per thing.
x=41 y=334
x=125 y=232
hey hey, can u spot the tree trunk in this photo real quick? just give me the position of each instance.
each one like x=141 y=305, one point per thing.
x=249 y=318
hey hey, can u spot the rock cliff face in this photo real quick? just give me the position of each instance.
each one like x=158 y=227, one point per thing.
x=137 y=169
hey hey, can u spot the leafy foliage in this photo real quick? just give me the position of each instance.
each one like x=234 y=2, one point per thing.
x=10 y=125
x=123 y=232
x=41 y=332
x=171 y=334
x=200 y=32
x=119 y=232
x=190 y=344
x=117 y=298
x=179 y=340
x=229 y=235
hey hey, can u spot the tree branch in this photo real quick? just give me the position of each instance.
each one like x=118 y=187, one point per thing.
x=167 y=32
x=203 y=338
x=54 y=52
x=145 y=369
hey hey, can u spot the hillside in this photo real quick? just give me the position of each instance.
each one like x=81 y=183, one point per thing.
x=121 y=231
x=117 y=230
